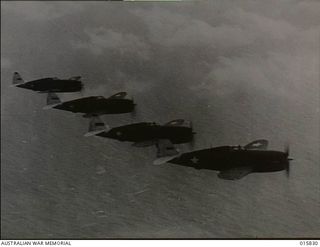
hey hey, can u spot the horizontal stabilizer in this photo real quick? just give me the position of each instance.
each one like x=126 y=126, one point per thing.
x=163 y=160
x=93 y=133
x=47 y=107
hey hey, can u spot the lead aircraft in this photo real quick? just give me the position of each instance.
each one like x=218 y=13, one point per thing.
x=234 y=162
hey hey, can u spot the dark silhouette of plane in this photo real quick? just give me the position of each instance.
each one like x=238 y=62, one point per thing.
x=147 y=134
x=93 y=105
x=47 y=85
x=234 y=162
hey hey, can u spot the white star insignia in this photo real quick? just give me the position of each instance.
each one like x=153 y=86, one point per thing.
x=119 y=133
x=194 y=160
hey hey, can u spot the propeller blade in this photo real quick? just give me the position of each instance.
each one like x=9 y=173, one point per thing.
x=288 y=169
x=287 y=152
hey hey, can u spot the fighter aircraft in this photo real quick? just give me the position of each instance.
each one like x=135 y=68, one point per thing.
x=234 y=162
x=93 y=105
x=147 y=134
x=51 y=84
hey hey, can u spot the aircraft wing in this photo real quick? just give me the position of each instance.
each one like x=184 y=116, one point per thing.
x=257 y=145
x=235 y=173
x=165 y=148
x=120 y=95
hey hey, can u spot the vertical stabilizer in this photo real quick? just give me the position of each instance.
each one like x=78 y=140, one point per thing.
x=96 y=126
x=52 y=101
x=17 y=79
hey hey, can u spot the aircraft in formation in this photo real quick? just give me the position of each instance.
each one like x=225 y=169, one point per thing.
x=232 y=162
x=93 y=105
x=146 y=134
x=49 y=85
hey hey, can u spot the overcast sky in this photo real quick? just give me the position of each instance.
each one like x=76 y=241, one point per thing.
x=200 y=44
x=252 y=53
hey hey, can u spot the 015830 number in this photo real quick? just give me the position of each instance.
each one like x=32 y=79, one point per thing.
x=309 y=243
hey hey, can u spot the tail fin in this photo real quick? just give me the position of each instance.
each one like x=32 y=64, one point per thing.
x=52 y=101
x=17 y=79
x=96 y=126
x=165 y=148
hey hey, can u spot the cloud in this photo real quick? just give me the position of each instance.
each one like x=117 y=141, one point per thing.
x=41 y=11
x=5 y=63
x=102 y=39
x=245 y=47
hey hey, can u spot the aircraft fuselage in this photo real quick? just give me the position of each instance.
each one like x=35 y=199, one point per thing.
x=51 y=85
x=226 y=157
x=97 y=105
x=144 y=132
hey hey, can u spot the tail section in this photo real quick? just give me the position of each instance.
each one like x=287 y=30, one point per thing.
x=17 y=79
x=165 y=148
x=163 y=160
x=52 y=101
x=96 y=126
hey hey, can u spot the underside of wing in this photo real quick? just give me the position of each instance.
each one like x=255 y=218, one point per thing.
x=257 y=145
x=235 y=173
x=165 y=148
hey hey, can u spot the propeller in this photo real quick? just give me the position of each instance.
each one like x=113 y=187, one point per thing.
x=287 y=152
